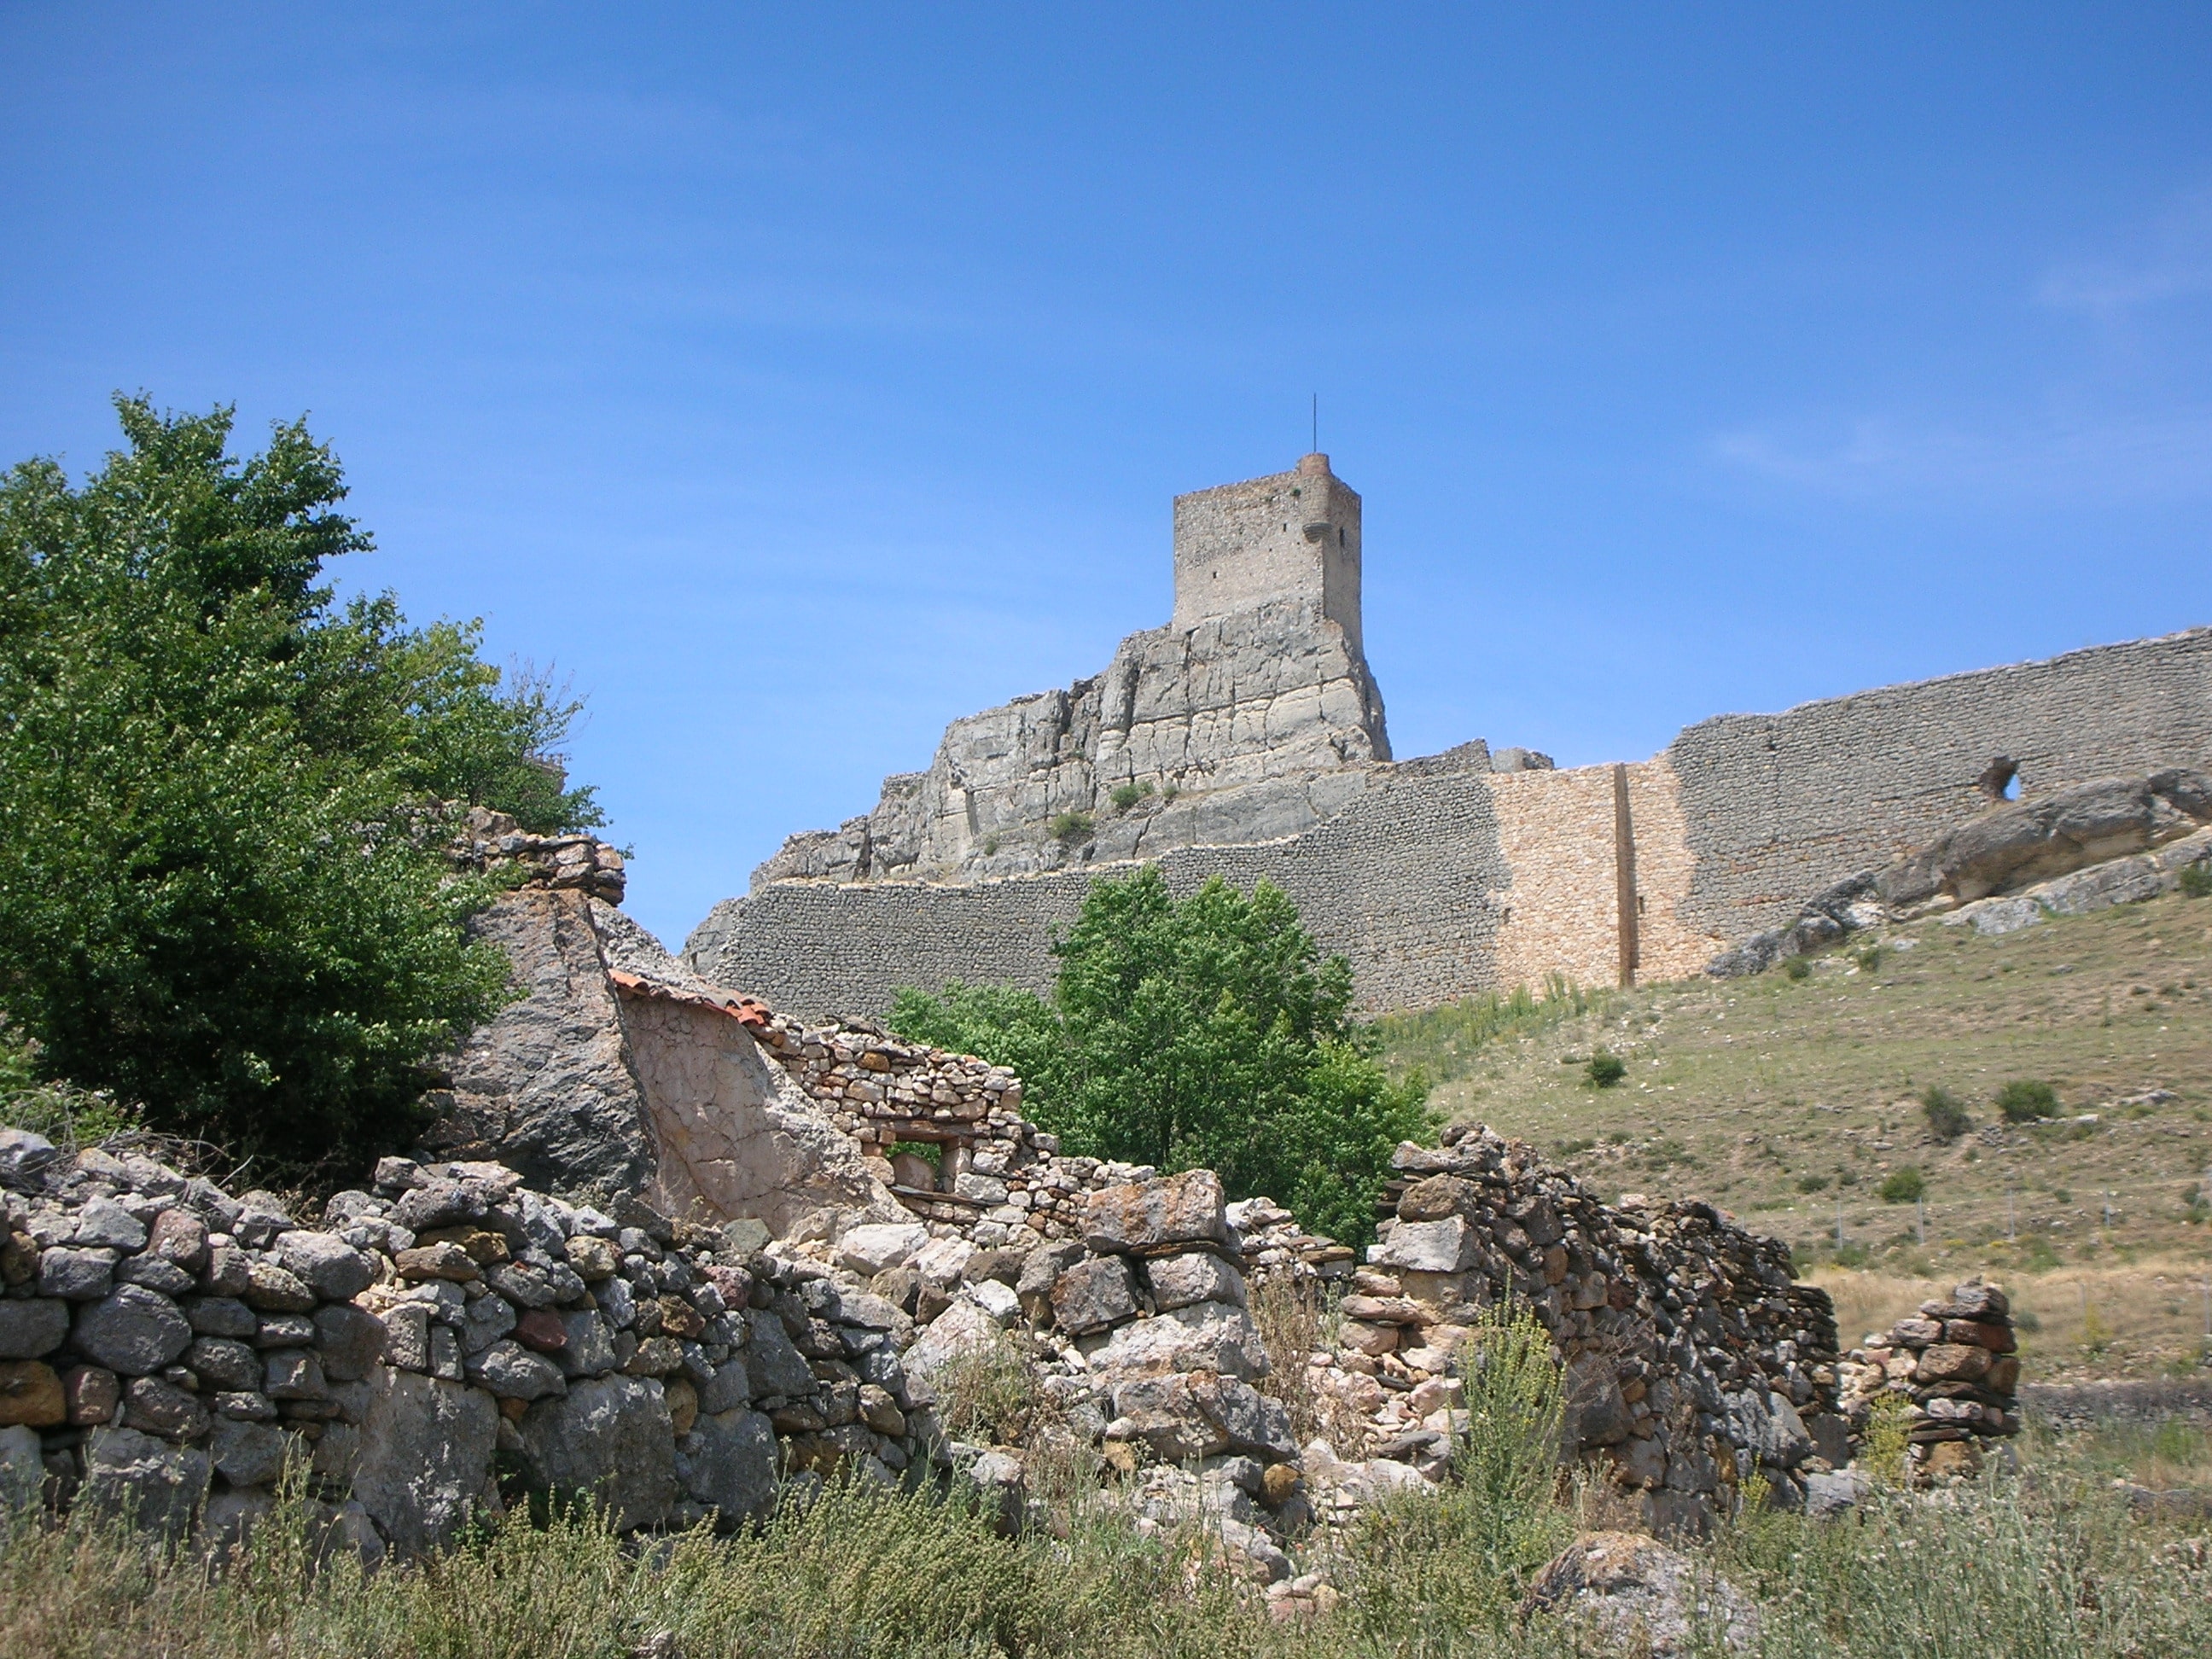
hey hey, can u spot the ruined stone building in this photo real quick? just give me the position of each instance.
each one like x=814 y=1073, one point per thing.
x=1247 y=739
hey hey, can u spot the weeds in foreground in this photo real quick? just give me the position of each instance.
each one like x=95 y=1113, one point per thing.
x=2048 y=1563
x=1295 y=1321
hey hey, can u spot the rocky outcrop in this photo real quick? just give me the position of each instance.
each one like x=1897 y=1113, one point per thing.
x=2118 y=841
x=618 y=1070
x=1244 y=727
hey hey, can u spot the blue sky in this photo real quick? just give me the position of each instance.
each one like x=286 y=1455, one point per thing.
x=799 y=379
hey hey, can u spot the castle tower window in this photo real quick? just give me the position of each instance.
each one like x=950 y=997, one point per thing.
x=2000 y=780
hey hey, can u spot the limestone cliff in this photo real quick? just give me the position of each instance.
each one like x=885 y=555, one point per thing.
x=1241 y=728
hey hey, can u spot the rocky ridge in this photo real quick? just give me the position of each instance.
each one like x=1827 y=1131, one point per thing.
x=2116 y=840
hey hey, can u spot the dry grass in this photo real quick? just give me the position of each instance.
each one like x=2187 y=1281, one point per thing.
x=1790 y=1103
x=1295 y=1321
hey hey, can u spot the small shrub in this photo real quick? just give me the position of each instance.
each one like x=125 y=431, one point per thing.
x=1797 y=967
x=986 y=1392
x=990 y=844
x=2197 y=880
x=1903 y=1186
x=1604 y=1069
x=1870 y=958
x=1889 y=1422
x=1946 y=1117
x=2023 y=1102
x=1068 y=828
x=1127 y=795
x=1812 y=1183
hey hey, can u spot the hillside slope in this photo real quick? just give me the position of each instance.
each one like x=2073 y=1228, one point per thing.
x=1791 y=1102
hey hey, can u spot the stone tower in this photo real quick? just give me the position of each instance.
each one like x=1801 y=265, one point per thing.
x=1294 y=536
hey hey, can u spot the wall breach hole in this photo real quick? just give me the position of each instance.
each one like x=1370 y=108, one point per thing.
x=2000 y=780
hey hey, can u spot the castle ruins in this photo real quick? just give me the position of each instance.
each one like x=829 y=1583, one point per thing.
x=1245 y=738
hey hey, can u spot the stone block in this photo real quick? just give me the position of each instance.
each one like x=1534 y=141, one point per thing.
x=728 y=1462
x=1178 y=1281
x=77 y=1275
x=33 y=1329
x=350 y=1340
x=31 y=1396
x=611 y=1439
x=1093 y=1295
x=425 y=1447
x=132 y=1331
x=160 y=1485
x=248 y=1454
x=335 y=1270
x=1182 y=1209
x=1447 y=1246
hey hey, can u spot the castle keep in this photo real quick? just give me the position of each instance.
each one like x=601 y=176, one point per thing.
x=1245 y=738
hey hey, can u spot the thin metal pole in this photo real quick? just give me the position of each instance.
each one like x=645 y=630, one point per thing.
x=2011 y=1231
x=1920 y=1220
x=1316 y=450
x=1839 y=1221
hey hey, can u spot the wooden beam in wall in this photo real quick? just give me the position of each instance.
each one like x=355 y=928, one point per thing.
x=1623 y=874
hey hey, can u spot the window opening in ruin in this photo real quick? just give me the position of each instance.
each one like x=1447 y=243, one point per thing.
x=2000 y=780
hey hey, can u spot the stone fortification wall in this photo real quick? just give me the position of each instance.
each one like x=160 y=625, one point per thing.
x=1405 y=880
x=1777 y=807
x=1440 y=877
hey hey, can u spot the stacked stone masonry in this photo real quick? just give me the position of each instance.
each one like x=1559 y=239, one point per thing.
x=1953 y=1372
x=1246 y=739
x=166 y=1345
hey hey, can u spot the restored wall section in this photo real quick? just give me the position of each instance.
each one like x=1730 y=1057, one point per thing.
x=1779 y=806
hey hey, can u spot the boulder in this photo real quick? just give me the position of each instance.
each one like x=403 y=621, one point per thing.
x=728 y=1463
x=102 y=1221
x=514 y=1372
x=160 y=1407
x=1143 y=1215
x=1449 y=1245
x=425 y=1447
x=777 y=1367
x=351 y=1340
x=22 y=1467
x=160 y=1485
x=868 y=1249
x=1634 y=1594
x=77 y=1275
x=133 y=1331
x=248 y=1454
x=610 y=1438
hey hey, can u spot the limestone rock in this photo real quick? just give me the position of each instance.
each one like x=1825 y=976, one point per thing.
x=1093 y=1295
x=1195 y=1276
x=161 y=1485
x=425 y=1447
x=1211 y=1336
x=1182 y=1209
x=1636 y=1593
x=869 y=1249
x=611 y=1439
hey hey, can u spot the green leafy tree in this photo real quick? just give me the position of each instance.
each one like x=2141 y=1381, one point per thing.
x=1202 y=1032
x=222 y=895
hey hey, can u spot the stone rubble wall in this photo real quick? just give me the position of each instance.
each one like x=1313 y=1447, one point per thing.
x=1955 y=1370
x=1692 y=1357
x=1439 y=879
x=167 y=1345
